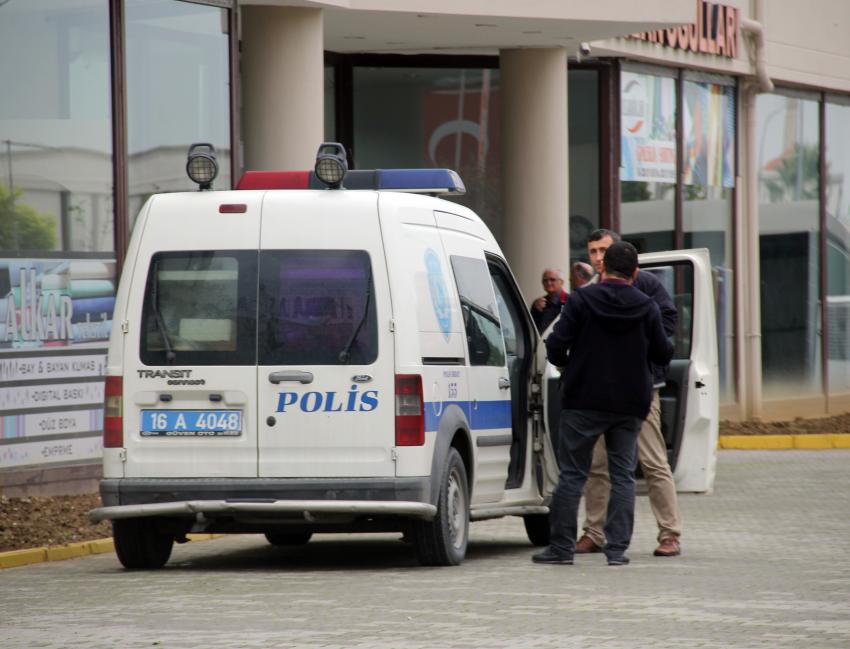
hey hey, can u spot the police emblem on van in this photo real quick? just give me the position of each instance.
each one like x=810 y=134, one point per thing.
x=354 y=400
x=439 y=293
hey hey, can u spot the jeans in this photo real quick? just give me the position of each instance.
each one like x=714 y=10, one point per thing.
x=577 y=435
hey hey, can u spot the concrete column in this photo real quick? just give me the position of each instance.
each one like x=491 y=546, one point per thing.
x=535 y=173
x=282 y=86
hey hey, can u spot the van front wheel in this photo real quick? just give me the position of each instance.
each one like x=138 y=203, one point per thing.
x=139 y=544
x=442 y=541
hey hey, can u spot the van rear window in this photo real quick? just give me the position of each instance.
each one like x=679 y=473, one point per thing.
x=200 y=309
x=317 y=307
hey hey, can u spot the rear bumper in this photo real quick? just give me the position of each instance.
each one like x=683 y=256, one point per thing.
x=308 y=498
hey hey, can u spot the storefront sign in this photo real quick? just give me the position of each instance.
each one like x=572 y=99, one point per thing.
x=67 y=451
x=55 y=423
x=31 y=368
x=55 y=322
x=715 y=32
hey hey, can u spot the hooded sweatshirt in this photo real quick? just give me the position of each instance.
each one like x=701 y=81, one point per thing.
x=605 y=340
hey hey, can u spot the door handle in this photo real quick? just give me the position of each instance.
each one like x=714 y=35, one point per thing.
x=504 y=384
x=291 y=375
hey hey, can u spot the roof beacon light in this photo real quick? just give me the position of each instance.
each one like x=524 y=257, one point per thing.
x=201 y=165
x=331 y=164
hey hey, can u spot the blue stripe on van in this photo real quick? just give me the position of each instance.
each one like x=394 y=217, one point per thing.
x=487 y=415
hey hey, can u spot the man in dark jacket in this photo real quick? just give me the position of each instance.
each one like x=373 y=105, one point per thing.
x=605 y=339
x=652 y=448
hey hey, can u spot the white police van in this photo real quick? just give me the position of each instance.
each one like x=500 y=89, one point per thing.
x=329 y=351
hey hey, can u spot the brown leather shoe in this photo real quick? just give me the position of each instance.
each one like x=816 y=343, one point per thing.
x=668 y=548
x=586 y=545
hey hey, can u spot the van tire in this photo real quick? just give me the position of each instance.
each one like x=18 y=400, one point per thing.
x=288 y=538
x=443 y=540
x=140 y=545
x=537 y=528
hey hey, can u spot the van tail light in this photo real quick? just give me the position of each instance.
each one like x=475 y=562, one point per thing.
x=409 y=412
x=113 y=411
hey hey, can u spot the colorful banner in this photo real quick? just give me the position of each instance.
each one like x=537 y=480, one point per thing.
x=50 y=303
x=648 y=128
x=709 y=126
x=55 y=323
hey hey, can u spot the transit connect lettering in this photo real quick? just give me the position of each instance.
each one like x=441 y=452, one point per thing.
x=164 y=374
x=351 y=401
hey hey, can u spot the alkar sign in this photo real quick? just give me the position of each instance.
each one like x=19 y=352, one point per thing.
x=715 y=32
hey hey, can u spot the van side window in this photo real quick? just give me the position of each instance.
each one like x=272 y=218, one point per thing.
x=200 y=309
x=480 y=313
x=317 y=307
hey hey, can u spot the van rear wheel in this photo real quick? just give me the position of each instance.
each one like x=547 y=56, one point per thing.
x=140 y=545
x=288 y=538
x=537 y=528
x=443 y=540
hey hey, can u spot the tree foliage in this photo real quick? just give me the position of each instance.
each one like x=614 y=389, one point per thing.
x=21 y=226
x=796 y=176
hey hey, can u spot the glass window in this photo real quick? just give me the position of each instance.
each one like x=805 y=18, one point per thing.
x=177 y=93
x=787 y=140
x=709 y=179
x=648 y=160
x=678 y=279
x=838 y=245
x=583 y=97
x=427 y=117
x=330 y=104
x=200 y=309
x=480 y=313
x=55 y=126
x=317 y=307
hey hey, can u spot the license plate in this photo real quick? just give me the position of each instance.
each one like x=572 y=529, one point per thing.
x=191 y=423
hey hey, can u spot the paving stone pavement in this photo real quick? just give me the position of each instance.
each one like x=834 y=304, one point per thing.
x=766 y=563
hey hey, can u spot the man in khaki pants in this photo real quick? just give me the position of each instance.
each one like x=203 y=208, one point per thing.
x=652 y=450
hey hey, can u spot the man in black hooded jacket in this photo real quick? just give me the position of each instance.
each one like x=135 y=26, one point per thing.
x=604 y=341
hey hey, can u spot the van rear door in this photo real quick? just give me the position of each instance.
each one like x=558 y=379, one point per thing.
x=689 y=401
x=190 y=342
x=325 y=377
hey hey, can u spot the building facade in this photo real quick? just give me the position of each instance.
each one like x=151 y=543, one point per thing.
x=679 y=124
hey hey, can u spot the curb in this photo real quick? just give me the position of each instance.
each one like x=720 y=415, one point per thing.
x=16 y=558
x=783 y=442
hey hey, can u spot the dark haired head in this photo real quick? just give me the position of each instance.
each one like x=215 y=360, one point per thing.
x=601 y=233
x=582 y=270
x=621 y=260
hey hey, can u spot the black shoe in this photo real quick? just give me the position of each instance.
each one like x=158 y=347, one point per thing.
x=622 y=560
x=551 y=556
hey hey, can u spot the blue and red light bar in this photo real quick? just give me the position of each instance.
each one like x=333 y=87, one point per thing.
x=419 y=181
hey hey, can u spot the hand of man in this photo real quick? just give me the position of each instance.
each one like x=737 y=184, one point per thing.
x=539 y=303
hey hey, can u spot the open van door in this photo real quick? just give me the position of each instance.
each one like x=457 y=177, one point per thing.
x=689 y=401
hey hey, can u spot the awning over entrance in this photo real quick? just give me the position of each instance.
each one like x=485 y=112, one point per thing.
x=382 y=26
